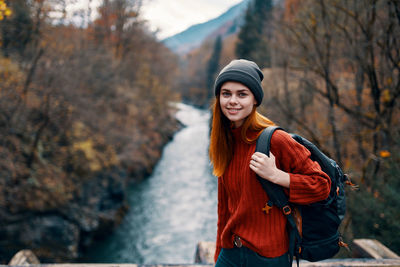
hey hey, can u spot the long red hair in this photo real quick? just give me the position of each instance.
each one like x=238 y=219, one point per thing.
x=221 y=138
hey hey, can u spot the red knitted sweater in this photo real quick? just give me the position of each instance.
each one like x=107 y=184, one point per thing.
x=241 y=197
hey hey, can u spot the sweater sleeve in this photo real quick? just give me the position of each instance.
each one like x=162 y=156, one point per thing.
x=223 y=215
x=308 y=183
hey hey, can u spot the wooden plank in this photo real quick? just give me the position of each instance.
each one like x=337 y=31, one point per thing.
x=372 y=248
x=327 y=263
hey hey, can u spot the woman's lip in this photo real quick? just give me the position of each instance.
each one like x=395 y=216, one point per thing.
x=233 y=110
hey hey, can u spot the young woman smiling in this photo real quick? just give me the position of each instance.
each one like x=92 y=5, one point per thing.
x=246 y=235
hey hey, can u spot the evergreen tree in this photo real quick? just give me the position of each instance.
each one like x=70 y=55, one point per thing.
x=253 y=36
x=213 y=66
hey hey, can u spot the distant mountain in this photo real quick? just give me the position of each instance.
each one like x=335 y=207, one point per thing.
x=227 y=23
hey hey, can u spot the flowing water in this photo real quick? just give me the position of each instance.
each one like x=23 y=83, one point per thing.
x=174 y=208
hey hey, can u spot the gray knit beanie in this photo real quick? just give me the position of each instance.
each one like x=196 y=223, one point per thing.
x=245 y=72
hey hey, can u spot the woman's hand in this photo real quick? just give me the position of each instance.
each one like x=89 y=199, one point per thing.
x=266 y=168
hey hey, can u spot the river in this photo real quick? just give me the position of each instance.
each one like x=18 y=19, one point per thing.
x=174 y=208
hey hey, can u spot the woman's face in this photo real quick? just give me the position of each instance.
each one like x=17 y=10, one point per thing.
x=236 y=101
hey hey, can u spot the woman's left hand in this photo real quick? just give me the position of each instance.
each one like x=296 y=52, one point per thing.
x=266 y=168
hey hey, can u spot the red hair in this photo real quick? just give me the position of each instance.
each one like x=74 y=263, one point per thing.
x=221 y=138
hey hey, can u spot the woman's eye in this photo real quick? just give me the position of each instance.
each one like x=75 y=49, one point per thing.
x=242 y=94
x=225 y=94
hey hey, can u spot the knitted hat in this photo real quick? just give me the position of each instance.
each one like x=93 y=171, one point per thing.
x=245 y=72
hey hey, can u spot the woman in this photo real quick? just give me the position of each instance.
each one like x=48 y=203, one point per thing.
x=247 y=235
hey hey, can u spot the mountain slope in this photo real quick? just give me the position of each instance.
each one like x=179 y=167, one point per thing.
x=185 y=41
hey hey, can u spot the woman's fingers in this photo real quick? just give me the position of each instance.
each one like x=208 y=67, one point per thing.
x=254 y=163
x=262 y=164
x=266 y=168
x=261 y=157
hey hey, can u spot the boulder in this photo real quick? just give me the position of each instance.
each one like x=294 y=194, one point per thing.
x=205 y=252
x=24 y=257
x=51 y=237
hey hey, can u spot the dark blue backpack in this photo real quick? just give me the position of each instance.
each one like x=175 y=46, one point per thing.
x=313 y=229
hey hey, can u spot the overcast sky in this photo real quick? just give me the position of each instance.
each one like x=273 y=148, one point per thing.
x=167 y=16
x=173 y=16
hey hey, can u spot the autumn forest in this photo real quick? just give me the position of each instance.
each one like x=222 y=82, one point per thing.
x=86 y=109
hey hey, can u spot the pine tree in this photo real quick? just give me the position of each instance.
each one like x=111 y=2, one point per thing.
x=213 y=66
x=253 y=36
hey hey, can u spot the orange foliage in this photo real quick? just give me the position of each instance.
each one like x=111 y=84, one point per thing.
x=291 y=8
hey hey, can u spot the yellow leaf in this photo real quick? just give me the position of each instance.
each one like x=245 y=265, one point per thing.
x=386 y=96
x=384 y=154
x=313 y=20
x=87 y=147
x=7 y=12
x=370 y=115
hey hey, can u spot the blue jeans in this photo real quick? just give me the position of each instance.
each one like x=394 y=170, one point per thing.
x=245 y=257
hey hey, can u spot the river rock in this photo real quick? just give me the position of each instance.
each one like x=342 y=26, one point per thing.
x=100 y=206
x=49 y=236
x=59 y=234
x=205 y=252
x=24 y=257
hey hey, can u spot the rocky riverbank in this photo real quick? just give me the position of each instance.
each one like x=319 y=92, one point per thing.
x=57 y=217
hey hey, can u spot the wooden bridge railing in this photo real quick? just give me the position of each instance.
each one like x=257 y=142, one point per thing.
x=367 y=253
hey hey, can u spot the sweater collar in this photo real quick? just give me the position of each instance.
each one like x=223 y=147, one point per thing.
x=237 y=134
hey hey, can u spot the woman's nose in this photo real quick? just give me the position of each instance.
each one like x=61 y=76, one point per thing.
x=233 y=100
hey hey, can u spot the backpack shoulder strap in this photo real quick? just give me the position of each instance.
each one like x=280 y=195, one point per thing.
x=264 y=140
x=276 y=194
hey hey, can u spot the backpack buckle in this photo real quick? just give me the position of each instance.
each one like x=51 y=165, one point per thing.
x=287 y=210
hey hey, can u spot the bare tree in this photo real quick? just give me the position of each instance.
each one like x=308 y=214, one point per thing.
x=332 y=39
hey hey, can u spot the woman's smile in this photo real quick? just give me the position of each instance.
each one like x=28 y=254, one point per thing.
x=233 y=111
